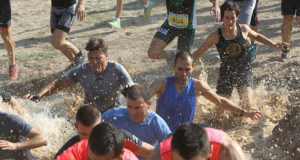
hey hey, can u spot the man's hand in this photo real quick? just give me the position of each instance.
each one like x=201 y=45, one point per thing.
x=13 y=102
x=34 y=98
x=216 y=11
x=279 y=45
x=80 y=13
x=6 y=145
x=253 y=115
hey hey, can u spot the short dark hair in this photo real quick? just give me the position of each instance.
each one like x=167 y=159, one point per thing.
x=135 y=91
x=105 y=138
x=190 y=140
x=88 y=115
x=184 y=55
x=229 y=6
x=96 y=44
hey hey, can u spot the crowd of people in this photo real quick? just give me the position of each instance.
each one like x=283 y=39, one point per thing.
x=106 y=129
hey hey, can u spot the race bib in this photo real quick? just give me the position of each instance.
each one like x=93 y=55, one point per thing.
x=178 y=20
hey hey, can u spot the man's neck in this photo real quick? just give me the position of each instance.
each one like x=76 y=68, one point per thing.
x=230 y=30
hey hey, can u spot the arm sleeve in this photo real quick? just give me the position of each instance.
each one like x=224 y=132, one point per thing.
x=161 y=129
x=19 y=125
x=73 y=75
x=123 y=75
x=131 y=142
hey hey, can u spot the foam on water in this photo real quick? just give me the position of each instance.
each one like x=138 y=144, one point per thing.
x=50 y=118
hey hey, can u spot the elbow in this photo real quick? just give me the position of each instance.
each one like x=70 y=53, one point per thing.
x=44 y=142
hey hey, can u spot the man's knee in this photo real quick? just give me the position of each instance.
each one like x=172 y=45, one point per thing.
x=5 y=34
x=152 y=53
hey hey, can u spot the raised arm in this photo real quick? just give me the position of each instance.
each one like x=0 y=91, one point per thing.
x=51 y=88
x=262 y=39
x=202 y=88
x=35 y=139
x=210 y=40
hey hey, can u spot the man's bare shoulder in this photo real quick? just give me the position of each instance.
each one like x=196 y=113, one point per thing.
x=159 y=83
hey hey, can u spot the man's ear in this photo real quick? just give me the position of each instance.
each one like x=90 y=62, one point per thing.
x=106 y=54
x=76 y=126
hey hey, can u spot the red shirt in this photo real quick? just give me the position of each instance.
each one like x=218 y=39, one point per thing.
x=79 y=151
x=214 y=137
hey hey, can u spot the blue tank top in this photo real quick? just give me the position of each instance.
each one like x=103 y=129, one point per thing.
x=177 y=109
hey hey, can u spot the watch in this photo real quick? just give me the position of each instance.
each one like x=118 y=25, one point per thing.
x=242 y=113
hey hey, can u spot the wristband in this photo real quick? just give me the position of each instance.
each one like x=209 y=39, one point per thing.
x=6 y=97
x=35 y=97
x=242 y=113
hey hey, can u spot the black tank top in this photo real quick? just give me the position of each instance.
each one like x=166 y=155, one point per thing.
x=63 y=3
x=233 y=50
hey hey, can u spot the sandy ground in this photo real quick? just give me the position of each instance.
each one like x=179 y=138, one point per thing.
x=276 y=84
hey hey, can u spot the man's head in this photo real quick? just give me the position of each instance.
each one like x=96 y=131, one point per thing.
x=183 y=66
x=230 y=12
x=87 y=117
x=190 y=142
x=105 y=142
x=97 y=55
x=137 y=105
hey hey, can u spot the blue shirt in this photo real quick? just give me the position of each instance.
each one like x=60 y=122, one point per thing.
x=152 y=129
x=177 y=109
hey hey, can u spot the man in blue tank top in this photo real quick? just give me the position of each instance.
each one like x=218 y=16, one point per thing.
x=176 y=95
x=230 y=41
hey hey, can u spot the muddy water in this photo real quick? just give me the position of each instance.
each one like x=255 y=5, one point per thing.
x=48 y=116
x=53 y=116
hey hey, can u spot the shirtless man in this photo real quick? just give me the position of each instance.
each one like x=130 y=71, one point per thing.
x=230 y=41
x=193 y=141
x=101 y=79
x=116 y=22
x=176 y=95
x=5 y=31
x=63 y=15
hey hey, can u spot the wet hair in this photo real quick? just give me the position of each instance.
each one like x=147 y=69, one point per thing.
x=190 y=140
x=88 y=115
x=135 y=91
x=183 y=55
x=96 y=44
x=229 y=6
x=105 y=138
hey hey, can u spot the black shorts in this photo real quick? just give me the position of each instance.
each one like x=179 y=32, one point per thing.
x=254 y=20
x=185 y=36
x=228 y=76
x=290 y=7
x=62 y=18
x=5 y=14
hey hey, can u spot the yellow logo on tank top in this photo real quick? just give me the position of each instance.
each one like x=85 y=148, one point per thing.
x=233 y=49
x=178 y=20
